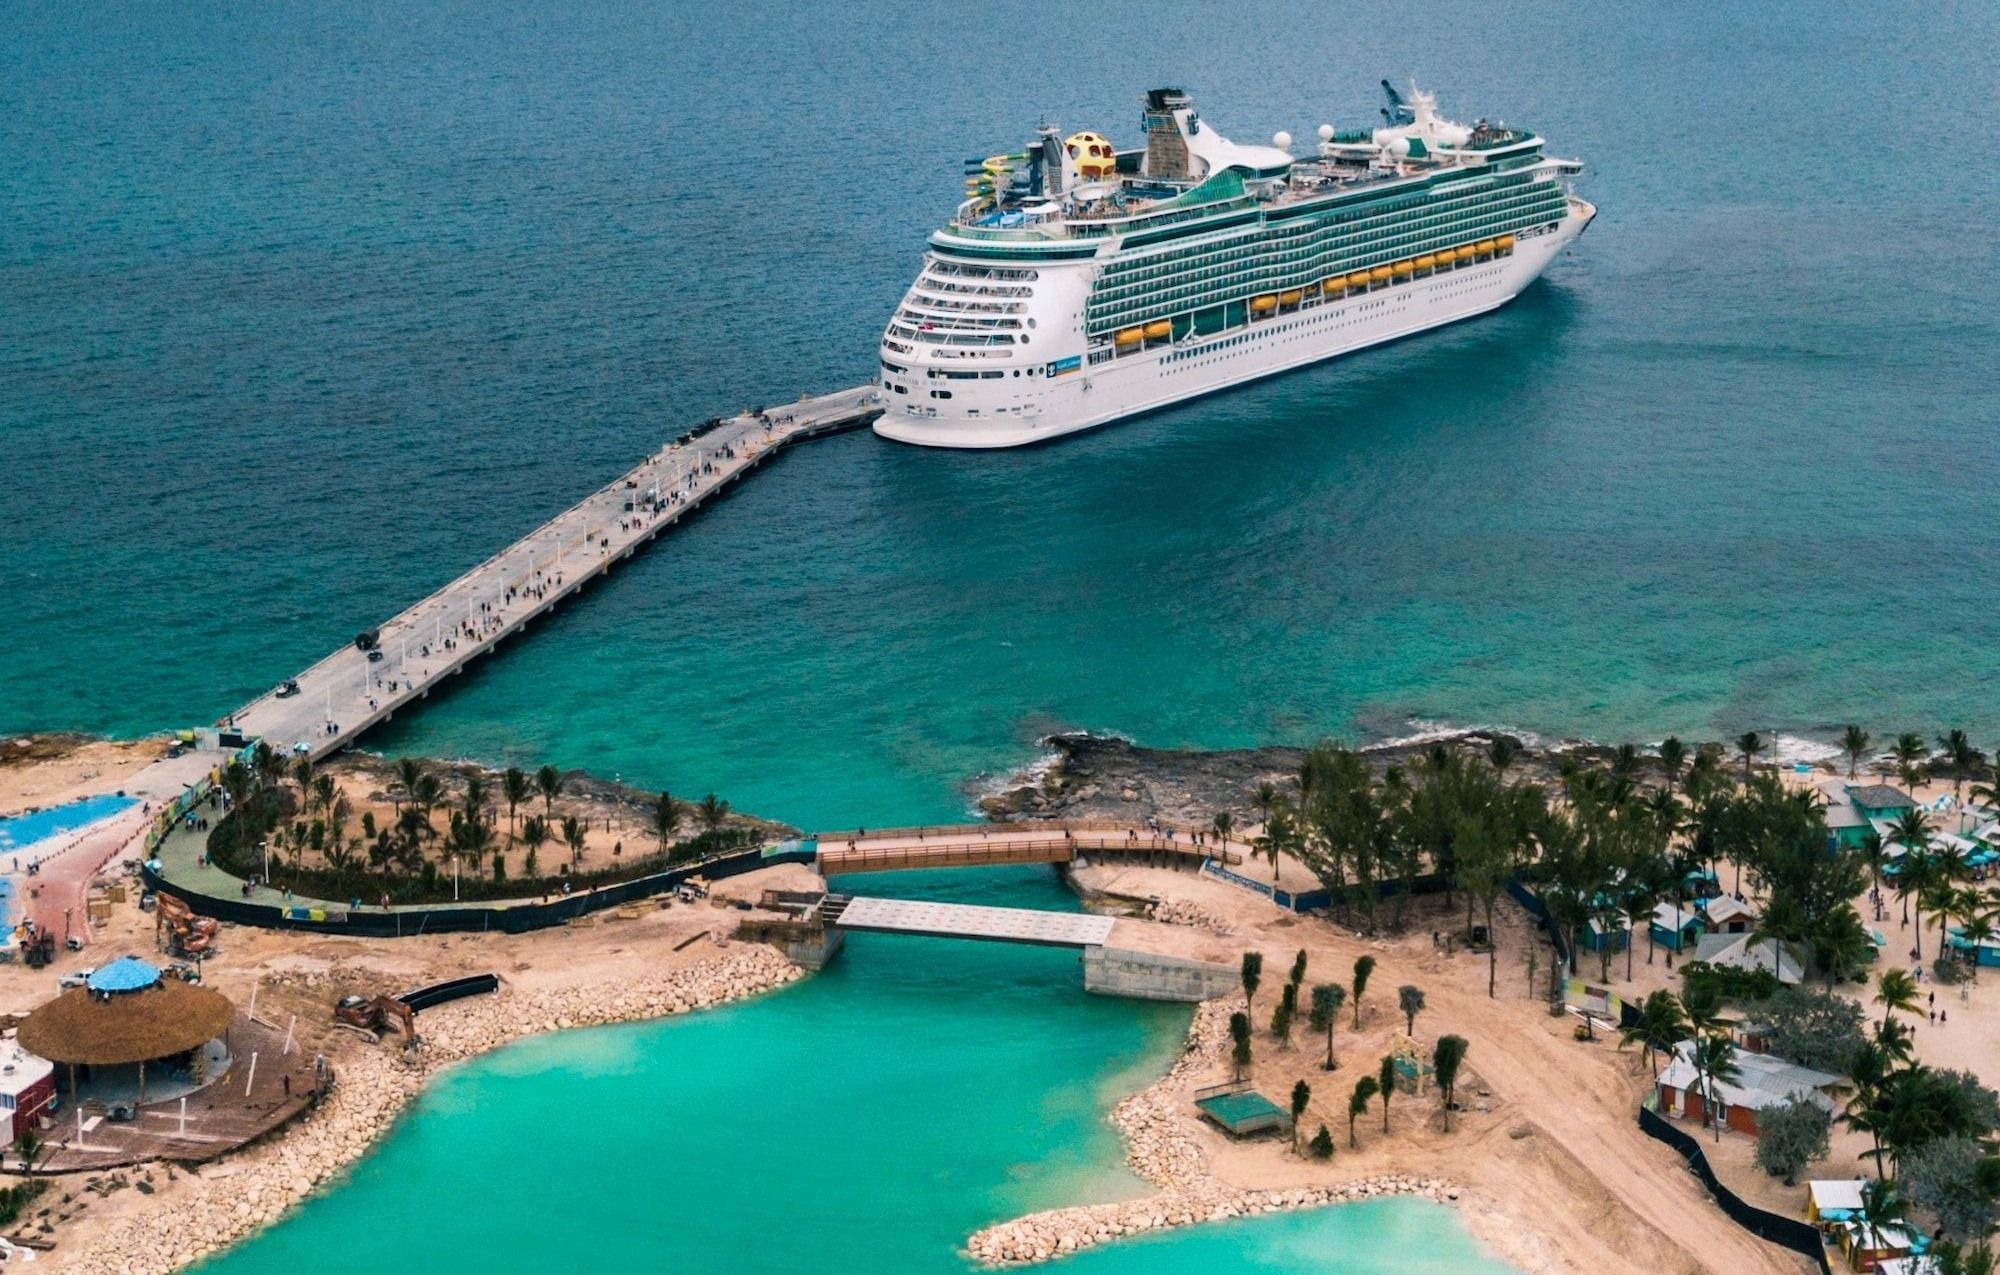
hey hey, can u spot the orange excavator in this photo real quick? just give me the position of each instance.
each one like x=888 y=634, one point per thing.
x=184 y=933
x=376 y=1014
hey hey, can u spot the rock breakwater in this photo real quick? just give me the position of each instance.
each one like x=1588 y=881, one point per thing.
x=1160 y=1150
x=233 y=1198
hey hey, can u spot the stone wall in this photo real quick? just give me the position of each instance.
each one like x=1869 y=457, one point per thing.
x=1113 y=971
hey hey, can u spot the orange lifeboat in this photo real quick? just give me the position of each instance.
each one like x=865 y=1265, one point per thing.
x=1404 y=267
x=1130 y=336
x=1359 y=279
x=1263 y=305
x=1504 y=243
x=1290 y=298
x=1159 y=329
x=1380 y=274
x=1427 y=261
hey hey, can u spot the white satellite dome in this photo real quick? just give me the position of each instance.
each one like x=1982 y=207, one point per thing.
x=1281 y=140
x=1326 y=132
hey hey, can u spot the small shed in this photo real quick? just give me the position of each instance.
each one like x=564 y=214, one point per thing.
x=1832 y=1201
x=1675 y=927
x=1727 y=914
x=1240 y=1110
x=27 y=1088
x=1601 y=937
x=1762 y=1081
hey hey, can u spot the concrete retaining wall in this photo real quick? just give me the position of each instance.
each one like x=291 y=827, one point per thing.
x=1114 y=971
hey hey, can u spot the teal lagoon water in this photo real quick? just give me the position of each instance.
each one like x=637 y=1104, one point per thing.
x=872 y=1116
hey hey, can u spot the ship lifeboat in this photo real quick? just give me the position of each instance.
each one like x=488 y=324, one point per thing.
x=1159 y=329
x=1404 y=267
x=1359 y=279
x=1381 y=274
x=1130 y=336
x=1427 y=261
x=1290 y=298
x=1504 y=243
x=1448 y=256
x=1263 y=305
x=1484 y=247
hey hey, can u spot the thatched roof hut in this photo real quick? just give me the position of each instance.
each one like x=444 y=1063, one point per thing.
x=155 y=1019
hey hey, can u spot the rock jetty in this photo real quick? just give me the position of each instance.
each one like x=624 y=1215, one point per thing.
x=234 y=1197
x=1160 y=1150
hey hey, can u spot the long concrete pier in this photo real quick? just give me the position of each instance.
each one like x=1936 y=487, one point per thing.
x=328 y=706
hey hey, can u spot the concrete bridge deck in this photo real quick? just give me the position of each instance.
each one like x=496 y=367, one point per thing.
x=347 y=693
x=967 y=921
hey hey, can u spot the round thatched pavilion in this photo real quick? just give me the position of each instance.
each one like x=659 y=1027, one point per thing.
x=126 y=1019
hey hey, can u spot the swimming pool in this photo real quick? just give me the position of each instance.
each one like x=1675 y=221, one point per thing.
x=19 y=833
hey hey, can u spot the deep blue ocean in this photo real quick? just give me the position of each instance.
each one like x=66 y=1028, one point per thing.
x=304 y=309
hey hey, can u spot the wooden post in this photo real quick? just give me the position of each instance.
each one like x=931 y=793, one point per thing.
x=288 y=1034
x=184 y=1115
x=252 y=1079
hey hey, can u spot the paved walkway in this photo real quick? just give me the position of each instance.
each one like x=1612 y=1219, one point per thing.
x=346 y=693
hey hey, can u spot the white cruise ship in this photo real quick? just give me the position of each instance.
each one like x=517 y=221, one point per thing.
x=1078 y=284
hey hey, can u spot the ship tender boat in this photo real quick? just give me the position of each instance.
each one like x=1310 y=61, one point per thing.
x=1078 y=284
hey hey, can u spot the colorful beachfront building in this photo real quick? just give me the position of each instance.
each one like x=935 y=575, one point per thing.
x=1604 y=935
x=1986 y=952
x=1880 y=801
x=1676 y=926
x=1762 y=1081
x=1727 y=914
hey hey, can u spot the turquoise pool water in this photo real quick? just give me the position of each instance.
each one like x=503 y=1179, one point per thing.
x=19 y=833
x=870 y=1117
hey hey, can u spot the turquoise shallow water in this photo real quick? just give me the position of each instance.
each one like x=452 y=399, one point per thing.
x=869 y=1118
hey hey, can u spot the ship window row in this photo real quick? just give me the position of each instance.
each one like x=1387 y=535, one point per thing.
x=1356 y=223
x=1171 y=264
x=1182 y=300
x=983 y=272
x=929 y=284
x=1441 y=232
x=952 y=338
x=1296 y=269
x=920 y=297
x=955 y=323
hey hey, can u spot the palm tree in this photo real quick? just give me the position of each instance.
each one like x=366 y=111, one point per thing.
x=515 y=787
x=666 y=819
x=1262 y=797
x=1750 y=744
x=1840 y=943
x=1501 y=752
x=1363 y=967
x=1714 y=1059
x=1239 y=1035
x=549 y=783
x=1909 y=750
x=1964 y=757
x=1326 y=999
x=427 y=794
x=1385 y=1084
x=1446 y=1056
x=1882 y=1205
x=1896 y=990
x=323 y=789
x=236 y=781
x=1660 y=1026
x=302 y=775
x=1301 y=1095
x=1253 y=974
x=1222 y=823
x=1357 y=1105
x=1870 y=1067
x=267 y=764
x=573 y=834
x=1854 y=742
x=713 y=813
x=1977 y=930
x=1673 y=755
x=1410 y=999
x=1875 y=855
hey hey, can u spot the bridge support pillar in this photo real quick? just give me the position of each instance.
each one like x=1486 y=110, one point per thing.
x=1114 y=971
x=815 y=952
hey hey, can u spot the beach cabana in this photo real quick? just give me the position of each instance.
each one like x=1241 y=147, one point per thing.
x=1727 y=914
x=1880 y=801
x=1985 y=953
x=1745 y=952
x=1600 y=937
x=1763 y=1081
x=1868 y=1246
x=1675 y=927
x=1831 y=1202
x=125 y=1021
x=1849 y=826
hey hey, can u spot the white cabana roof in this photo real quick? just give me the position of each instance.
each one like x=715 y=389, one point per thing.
x=1762 y=1081
x=1739 y=952
x=1835 y=1193
x=1669 y=917
x=1724 y=908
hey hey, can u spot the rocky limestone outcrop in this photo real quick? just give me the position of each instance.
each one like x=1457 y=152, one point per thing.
x=236 y=1196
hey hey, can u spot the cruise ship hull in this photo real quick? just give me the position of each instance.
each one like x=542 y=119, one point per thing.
x=1159 y=377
